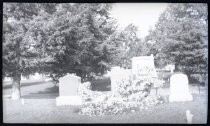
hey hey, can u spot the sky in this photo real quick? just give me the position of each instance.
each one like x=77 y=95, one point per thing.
x=143 y=15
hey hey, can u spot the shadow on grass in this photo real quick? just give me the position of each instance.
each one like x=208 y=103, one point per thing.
x=101 y=84
x=48 y=93
x=24 y=84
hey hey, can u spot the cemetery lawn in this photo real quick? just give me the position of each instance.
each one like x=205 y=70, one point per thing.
x=39 y=107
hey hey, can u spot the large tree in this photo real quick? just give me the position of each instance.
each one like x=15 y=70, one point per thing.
x=181 y=37
x=74 y=39
x=18 y=58
x=56 y=39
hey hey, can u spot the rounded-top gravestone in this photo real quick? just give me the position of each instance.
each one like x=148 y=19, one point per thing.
x=179 y=89
x=68 y=90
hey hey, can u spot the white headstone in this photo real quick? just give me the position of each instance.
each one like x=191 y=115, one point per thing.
x=117 y=74
x=68 y=90
x=179 y=90
x=142 y=61
x=143 y=65
x=170 y=67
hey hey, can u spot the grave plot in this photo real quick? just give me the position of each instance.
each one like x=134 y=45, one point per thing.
x=130 y=90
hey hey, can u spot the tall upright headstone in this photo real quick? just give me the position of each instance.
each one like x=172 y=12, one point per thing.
x=142 y=65
x=179 y=89
x=68 y=90
x=117 y=74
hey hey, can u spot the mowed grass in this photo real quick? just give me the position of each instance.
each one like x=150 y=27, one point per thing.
x=40 y=107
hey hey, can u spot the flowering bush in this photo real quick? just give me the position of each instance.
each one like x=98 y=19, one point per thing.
x=115 y=105
x=104 y=104
x=132 y=92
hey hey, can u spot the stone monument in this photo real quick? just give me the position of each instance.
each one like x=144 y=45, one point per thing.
x=117 y=74
x=179 y=90
x=142 y=65
x=68 y=90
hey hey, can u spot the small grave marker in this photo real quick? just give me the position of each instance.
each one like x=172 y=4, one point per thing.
x=189 y=117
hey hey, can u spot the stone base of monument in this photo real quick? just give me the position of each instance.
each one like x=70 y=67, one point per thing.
x=68 y=100
x=180 y=97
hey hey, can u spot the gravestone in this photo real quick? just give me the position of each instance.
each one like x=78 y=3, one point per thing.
x=117 y=74
x=179 y=90
x=36 y=76
x=170 y=67
x=143 y=65
x=68 y=90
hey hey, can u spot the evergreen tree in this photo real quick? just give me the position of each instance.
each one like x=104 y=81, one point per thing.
x=180 y=37
x=130 y=45
x=18 y=58
x=74 y=39
x=56 y=39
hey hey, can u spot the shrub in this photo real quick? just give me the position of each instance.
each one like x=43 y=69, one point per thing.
x=198 y=78
x=115 y=105
x=132 y=92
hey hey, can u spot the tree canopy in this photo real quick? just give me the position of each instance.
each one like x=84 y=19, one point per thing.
x=74 y=39
x=130 y=45
x=56 y=39
x=17 y=54
x=181 y=37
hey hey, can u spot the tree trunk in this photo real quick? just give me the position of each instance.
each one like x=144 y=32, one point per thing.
x=16 y=94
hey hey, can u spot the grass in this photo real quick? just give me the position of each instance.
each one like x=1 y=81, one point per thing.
x=39 y=107
x=45 y=111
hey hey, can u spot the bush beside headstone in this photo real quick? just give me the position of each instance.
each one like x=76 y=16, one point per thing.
x=131 y=93
x=130 y=89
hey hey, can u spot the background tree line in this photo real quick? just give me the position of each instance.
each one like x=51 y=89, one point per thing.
x=56 y=39
x=181 y=37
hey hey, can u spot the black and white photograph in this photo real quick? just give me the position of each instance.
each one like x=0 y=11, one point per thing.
x=123 y=63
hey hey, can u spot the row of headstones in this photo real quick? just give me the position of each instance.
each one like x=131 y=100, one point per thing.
x=69 y=84
x=34 y=77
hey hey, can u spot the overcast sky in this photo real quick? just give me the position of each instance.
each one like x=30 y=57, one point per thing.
x=143 y=15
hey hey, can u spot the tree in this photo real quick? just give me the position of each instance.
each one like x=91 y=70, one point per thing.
x=55 y=39
x=130 y=45
x=18 y=58
x=180 y=37
x=74 y=39
x=127 y=40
